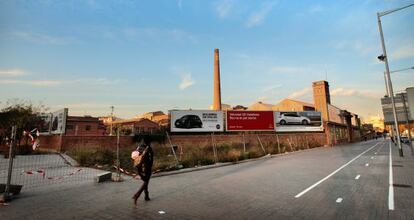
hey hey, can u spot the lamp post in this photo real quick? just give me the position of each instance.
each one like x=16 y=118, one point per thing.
x=384 y=58
x=112 y=120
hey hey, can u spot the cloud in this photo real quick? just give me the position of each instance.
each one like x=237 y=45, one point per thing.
x=12 y=72
x=351 y=92
x=315 y=9
x=31 y=82
x=186 y=81
x=133 y=33
x=301 y=93
x=223 y=8
x=257 y=17
x=42 y=38
x=288 y=69
x=403 y=52
x=360 y=47
x=180 y=4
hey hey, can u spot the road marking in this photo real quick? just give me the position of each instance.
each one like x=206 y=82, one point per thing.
x=391 y=185
x=327 y=177
x=367 y=164
x=357 y=177
x=372 y=157
x=339 y=200
x=375 y=153
x=161 y=212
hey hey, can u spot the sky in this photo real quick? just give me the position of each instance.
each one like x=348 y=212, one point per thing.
x=140 y=56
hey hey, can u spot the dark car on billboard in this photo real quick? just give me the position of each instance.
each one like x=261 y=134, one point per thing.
x=188 y=122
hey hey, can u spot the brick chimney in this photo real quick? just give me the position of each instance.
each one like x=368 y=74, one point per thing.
x=217 y=89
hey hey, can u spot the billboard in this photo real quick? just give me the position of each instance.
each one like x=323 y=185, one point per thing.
x=53 y=123
x=196 y=121
x=298 y=121
x=250 y=121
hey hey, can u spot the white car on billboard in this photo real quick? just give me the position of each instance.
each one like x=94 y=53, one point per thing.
x=286 y=118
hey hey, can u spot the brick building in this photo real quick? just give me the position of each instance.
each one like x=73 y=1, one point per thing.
x=84 y=126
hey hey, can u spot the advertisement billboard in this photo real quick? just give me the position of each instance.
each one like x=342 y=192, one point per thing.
x=53 y=123
x=250 y=121
x=196 y=121
x=298 y=121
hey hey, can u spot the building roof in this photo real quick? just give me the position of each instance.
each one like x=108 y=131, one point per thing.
x=260 y=106
x=299 y=102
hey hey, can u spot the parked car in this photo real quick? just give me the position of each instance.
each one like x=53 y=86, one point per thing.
x=405 y=140
x=188 y=122
x=292 y=118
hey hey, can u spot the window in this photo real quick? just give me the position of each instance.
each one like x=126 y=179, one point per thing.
x=88 y=127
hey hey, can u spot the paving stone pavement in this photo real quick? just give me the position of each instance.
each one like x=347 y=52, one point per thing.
x=261 y=189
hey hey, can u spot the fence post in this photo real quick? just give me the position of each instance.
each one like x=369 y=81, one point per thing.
x=278 y=144
x=214 y=148
x=118 y=162
x=172 y=147
x=244 y=144
x=261 y=145
x=6 y=195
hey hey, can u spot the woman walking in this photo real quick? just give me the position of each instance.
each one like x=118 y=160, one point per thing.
x=144 y=168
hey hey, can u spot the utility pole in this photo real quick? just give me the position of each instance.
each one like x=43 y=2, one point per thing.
x=112 y=119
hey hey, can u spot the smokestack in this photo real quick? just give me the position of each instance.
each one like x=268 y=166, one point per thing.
x=217 y=89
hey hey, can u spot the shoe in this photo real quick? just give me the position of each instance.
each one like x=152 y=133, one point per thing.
x=147 y=199
x=135 y=200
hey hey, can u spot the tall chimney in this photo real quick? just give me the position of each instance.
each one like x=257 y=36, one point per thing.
x=217 y=89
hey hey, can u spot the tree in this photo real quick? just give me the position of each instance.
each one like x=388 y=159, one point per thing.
x=20 y=113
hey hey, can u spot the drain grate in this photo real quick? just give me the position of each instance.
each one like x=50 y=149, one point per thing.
x=397 y=165
x=401 y=185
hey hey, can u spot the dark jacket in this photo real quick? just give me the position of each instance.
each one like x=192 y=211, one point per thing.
x=145 y=168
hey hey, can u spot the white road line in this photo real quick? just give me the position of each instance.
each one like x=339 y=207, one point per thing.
x=327 y=177
x=367 y=164
x=357 y=177
x=339 y=200
x=391 y=185
x=375 y=153
x=372 y=157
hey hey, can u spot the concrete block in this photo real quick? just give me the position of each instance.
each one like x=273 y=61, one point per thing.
x=103 y=177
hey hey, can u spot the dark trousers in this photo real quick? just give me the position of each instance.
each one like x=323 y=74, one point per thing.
x=144 y=187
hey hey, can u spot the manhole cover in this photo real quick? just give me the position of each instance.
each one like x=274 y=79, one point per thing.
x=401 y=185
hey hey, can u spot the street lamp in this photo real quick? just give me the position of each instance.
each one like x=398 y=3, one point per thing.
x=384 y=58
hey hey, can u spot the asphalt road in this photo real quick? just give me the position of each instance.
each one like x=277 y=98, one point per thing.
x=341 y=182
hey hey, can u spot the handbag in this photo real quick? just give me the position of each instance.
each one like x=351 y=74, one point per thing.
x=138 y=157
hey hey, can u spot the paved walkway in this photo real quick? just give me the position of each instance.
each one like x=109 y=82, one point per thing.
x=342 y=182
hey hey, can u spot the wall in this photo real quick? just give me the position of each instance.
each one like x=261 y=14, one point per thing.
x=66 y=143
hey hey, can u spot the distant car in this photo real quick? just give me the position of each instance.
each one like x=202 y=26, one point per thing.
x=405 y=140
x=188 y=122
x=292 y=118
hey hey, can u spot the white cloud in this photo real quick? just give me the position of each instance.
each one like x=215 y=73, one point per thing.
x=186 y=81
x=180 y=4
x=31 y=82
x=223 y=8
x=288 y=69
x=352 y=92
x=403 y=52
x=41 y=38
x=12 y=72
x=256 y=18
x=316 y=9
x=301 y=93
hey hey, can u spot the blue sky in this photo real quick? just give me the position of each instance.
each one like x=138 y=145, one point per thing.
x=157 y=55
